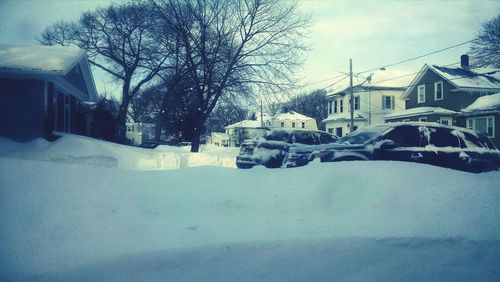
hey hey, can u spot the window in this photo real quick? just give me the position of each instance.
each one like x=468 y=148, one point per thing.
x=421 y=93
x=330 y=130
x=438 y=91
x=293 y=124
x=406 y=120
x=282 y=124
x=356 y=102
x=303 y=137
x=335 y=106
x=330 y=106
x=388 y=102
x=484 y=125
x=442 y=137
x=445 y=121
x=129 y=128
x=326 y=139
x=422 y=119
x=404 y=136
x=338 y=131
x=303 y=125
x=341 y=105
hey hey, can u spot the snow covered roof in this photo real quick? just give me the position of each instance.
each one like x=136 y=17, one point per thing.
x=484 y=103
x=50 y=63
x=420 y=111
x=291 y=115
x=469 y=78
x=376 y=79
x=41 y=59
x=462 y=79
x=246 y=124
x=343 y=116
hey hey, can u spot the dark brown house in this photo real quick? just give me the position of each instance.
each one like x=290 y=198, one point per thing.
x=41 y=91
x=439 y=94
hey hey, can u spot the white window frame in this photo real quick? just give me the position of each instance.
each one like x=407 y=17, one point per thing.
x=436 y=90
x=449 y=119
x=421 y=90
x=358 y=104
x=303 y=125
x=392 y=101
x=330 y=107
x=335 y=106
x=282 y=124
x=406 y=120
x=422 y=119
x=293 y=124
x=472 y=125
x=341 y=106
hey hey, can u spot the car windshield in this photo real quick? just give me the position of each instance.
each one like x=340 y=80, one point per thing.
x=363 y=135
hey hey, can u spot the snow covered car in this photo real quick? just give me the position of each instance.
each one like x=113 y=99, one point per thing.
x=428 y=143
x=272 y=148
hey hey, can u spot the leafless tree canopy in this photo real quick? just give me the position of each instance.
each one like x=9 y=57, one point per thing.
x=485 y=49
x=119 y=40
x=229 y=46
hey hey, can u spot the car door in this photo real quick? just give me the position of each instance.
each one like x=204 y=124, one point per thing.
x=403 y=143
x=446 y=145
x=479 y=154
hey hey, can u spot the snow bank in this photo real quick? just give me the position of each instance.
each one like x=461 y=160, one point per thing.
x=74 y=149
x=323 y=222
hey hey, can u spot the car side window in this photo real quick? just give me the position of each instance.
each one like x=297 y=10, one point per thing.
x=303 y=137
x=442 y=137
x=404 y=136
x=326 y=139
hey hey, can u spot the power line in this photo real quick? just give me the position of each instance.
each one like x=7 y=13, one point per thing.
x=418 y=57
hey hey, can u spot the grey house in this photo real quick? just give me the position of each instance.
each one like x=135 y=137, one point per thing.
x=41 y=90
x=439 y=94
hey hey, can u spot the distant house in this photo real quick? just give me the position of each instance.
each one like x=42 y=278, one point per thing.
x=293 y=120
x=217 y=139
x=236 y=133
x=439 y=94
x=484 y=116
x=41 y=90
x=375 y=95
x=137 y=133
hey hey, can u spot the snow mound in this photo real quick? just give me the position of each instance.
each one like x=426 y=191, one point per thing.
x=74 y=149
x=326 y=221
x=485 y=103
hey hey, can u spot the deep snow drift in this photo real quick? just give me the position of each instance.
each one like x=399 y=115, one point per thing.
x=351 y=221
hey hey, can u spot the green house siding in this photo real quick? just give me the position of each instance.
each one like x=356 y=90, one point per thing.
x=451 y=100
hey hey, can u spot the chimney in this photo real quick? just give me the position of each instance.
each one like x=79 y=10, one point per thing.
x=464 y=61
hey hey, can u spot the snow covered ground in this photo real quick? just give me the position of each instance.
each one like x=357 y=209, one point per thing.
x=81 y=209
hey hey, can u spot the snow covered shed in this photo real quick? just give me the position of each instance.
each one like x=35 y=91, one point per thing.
x=42 y=89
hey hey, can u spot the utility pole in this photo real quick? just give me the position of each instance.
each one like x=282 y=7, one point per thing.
x=351 y=128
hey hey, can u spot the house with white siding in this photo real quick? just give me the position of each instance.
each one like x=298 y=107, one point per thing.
x=375 y=95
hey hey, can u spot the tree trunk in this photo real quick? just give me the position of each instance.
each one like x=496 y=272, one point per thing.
x=195 y=142
x=121 y=119
x=158 y=128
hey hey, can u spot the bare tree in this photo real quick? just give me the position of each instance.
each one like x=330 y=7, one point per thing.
x=231 y=46
x=119 y=40
x=485 y=49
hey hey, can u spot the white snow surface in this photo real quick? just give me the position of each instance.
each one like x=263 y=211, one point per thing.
x=342 y=116
x=38 y=58
x=470 y=78
x=484 y=103
x=420 y=111
x=291 y=115
x=349 y=221
x=74 y=149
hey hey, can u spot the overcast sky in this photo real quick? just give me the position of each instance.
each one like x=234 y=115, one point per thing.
x=372 y=33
